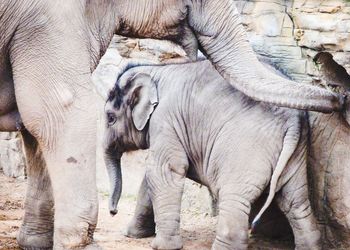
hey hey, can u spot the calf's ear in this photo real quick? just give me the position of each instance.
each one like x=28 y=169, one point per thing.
x=143 y=100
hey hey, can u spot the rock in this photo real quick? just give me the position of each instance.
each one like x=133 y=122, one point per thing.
x=285 y=31
x=121 y=53
x=12 y=160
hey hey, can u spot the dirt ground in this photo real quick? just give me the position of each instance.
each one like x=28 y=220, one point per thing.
x=197 y=227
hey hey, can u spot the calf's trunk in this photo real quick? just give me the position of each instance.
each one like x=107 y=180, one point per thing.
x=112 y=160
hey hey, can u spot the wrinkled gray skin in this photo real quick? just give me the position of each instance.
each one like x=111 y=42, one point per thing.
x=328 y=167
x=328 y=164
x=48 y=50
x=329 y=161
x=197 y=126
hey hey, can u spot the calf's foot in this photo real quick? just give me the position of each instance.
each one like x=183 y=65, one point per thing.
x=140 y=229
x=167 y=242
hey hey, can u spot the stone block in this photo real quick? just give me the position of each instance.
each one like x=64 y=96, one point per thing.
x=12 y=160
x=316 y=21
x=269 y=24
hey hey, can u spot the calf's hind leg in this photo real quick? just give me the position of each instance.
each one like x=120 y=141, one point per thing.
x=235 y=201
x=142 y=224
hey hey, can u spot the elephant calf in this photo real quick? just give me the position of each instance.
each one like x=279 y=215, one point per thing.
x=198 y=126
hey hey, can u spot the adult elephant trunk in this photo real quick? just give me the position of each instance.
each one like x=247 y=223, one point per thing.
x=112 y=160
x=224 y=41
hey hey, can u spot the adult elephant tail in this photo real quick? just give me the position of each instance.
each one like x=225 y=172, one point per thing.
x=223 y=40
x=290 y=144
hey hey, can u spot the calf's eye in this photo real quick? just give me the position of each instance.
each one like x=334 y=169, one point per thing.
x=111 y=118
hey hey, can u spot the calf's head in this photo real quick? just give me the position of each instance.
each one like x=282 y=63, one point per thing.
x=128 y=109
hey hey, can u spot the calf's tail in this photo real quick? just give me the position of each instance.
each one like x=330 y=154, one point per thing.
x=290 y=144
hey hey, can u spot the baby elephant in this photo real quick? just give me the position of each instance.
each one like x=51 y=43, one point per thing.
x=197 y=126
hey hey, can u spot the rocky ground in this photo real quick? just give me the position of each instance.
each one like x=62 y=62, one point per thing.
x=197 y=226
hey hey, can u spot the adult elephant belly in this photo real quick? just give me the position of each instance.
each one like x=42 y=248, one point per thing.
x=9 y=116
x=151 y=18
x=166 y=20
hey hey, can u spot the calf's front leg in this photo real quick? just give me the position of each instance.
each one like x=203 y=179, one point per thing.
x=235 y=199
x=166 y=181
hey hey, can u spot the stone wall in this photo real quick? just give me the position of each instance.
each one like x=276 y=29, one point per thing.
x=291 y=32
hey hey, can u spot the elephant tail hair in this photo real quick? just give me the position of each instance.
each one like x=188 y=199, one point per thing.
x=290 y=144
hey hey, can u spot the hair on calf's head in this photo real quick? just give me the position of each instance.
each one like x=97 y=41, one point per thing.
x=116 y=94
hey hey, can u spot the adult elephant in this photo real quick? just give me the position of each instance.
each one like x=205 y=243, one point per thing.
x=328 y=171
x=48 y=50
x=329 y=166
x=329 y=180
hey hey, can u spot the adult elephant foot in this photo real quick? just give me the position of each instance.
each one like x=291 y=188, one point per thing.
x=79 y=236
x=26 y=240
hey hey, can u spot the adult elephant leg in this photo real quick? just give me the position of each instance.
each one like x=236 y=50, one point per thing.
x=73 y=176
x=36 y=231
x=142 y=224
x=68 y=147
x=56 y=103
x=294 y=201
